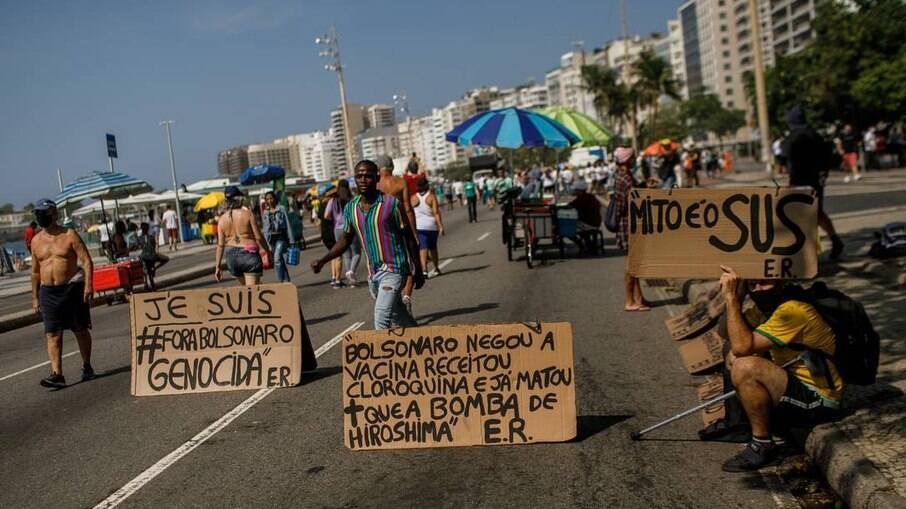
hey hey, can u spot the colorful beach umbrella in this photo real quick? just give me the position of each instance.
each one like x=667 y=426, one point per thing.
x=590 y=132
x=512 y=128
x=261 y=174
x=101 y=185
x=209 y=201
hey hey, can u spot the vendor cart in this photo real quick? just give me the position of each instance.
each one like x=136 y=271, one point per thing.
x=113 y=282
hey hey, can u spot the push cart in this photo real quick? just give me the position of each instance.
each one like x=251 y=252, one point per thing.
x=116 y=280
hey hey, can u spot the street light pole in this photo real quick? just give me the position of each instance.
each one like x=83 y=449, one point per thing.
x=760 y=93
x=167 y=124
x=333 y=51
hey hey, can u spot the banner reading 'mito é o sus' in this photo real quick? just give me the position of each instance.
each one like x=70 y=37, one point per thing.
x=762 y=233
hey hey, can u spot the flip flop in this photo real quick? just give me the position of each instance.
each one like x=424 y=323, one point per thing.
x=640 y=308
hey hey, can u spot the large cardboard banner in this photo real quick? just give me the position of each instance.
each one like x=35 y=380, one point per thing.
x=458 y=385
x=763 y=233
x=220 y=339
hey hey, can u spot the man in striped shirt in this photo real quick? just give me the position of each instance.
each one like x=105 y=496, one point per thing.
x=389 y=244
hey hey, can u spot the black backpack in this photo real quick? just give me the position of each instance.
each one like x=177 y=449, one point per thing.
x=858 y=346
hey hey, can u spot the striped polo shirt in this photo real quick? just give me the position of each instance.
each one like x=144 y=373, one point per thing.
x=380 y=230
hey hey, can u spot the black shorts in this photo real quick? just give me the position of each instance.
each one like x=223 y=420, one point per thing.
x=240 y=262
x=64 y=307
x=801 y=406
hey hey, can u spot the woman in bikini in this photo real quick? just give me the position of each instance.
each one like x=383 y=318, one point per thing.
x=239 y=238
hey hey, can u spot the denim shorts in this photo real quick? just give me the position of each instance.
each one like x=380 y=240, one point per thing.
x=240 y=262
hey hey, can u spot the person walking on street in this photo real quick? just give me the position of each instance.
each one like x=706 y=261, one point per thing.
x=458 y=191
x=428 y=224
x=402 y=189
x=61 y=290
x=336 y=212
x=471 y=193
x=240 y=240
x=623 y=183
x=171 y=224
x=389 y=244
x=448 y=192
x=848 y=148
x=808 y=165
x=151 y=259
x=278 y=232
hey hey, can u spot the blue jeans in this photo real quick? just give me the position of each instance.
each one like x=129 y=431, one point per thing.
x=386 y=288
x=279 y=247
x=669 y=182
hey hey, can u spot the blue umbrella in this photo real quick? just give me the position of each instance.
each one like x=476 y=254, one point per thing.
x=261 y=174
x=101 y=185
x=512 y=128
x=324 y=187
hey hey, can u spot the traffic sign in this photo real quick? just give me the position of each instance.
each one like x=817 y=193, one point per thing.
x=111 y=145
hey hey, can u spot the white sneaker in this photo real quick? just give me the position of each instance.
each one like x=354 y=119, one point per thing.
x=858 y=177
x=350 y=278
x=846 y=179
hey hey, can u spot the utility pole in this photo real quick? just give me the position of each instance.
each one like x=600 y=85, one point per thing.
x=333 y=51
x=167 y=124
x=626 y=75
x=760 y=93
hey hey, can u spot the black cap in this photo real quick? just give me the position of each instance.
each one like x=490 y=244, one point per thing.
x=45 y=204
x=232 y=192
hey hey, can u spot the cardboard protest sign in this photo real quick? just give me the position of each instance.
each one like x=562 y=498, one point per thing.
x=702 y=353
x=712 y=388
x=447 y=386
x=219 y=339
x=695 y=318
x=763 y=233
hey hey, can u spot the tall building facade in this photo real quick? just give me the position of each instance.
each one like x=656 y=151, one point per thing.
x=565 y=86
x=315 y=154
x=791 y=24
x=528 y=96
x=380 y=115
x=711 y=50
x=284 y=155
x=378 y=141
x=232 y=161
x=357 y=123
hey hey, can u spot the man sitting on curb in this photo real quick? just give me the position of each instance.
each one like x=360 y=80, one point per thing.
x=804 y=394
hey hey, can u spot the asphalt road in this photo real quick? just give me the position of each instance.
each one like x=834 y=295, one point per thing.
x=76 y=446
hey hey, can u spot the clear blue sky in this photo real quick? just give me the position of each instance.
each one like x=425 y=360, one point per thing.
x=231 y=72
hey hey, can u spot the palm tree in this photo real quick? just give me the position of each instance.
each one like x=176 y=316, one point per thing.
x=613 y=100
x=653 y=79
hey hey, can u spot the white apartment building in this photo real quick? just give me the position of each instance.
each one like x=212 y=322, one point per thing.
x=380 y=115
x=529 y=96
x=315 y=155
x=791 y=24
x=676 y=56
x=379 y=141
x=565 y=86
x=357 y=124
x=711 y=52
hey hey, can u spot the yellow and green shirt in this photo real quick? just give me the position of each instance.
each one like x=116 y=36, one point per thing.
x=798 y=322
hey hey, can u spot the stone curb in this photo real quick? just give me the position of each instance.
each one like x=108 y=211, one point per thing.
x=852 y=475
x=23 y=318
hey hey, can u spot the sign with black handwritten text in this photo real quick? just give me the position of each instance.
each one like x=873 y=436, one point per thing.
x=447 y=386
x=220 y=339
x=762 y=233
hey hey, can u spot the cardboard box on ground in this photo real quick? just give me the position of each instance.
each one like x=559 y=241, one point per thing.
x=219 y=339
x=443 y=386
x=763 y=233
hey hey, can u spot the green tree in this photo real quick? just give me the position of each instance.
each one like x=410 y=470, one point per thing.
x=610 y=98
x=28 y=207
x=654 y=79
x=705 y=114
x=7 y=208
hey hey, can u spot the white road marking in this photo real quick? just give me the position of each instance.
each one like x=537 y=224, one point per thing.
x=443 y=264
x=483 y=236
x=36 y=366
x=167 y=461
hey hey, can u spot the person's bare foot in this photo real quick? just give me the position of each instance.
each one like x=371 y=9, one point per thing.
x=640 y=307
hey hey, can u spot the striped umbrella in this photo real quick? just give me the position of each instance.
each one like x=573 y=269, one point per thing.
x=102 y=186
x=512 y=128
x=590 y=132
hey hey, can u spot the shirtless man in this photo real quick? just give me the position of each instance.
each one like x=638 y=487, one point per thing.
x=61 y=290
x=240 y=239
x=399 y=189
